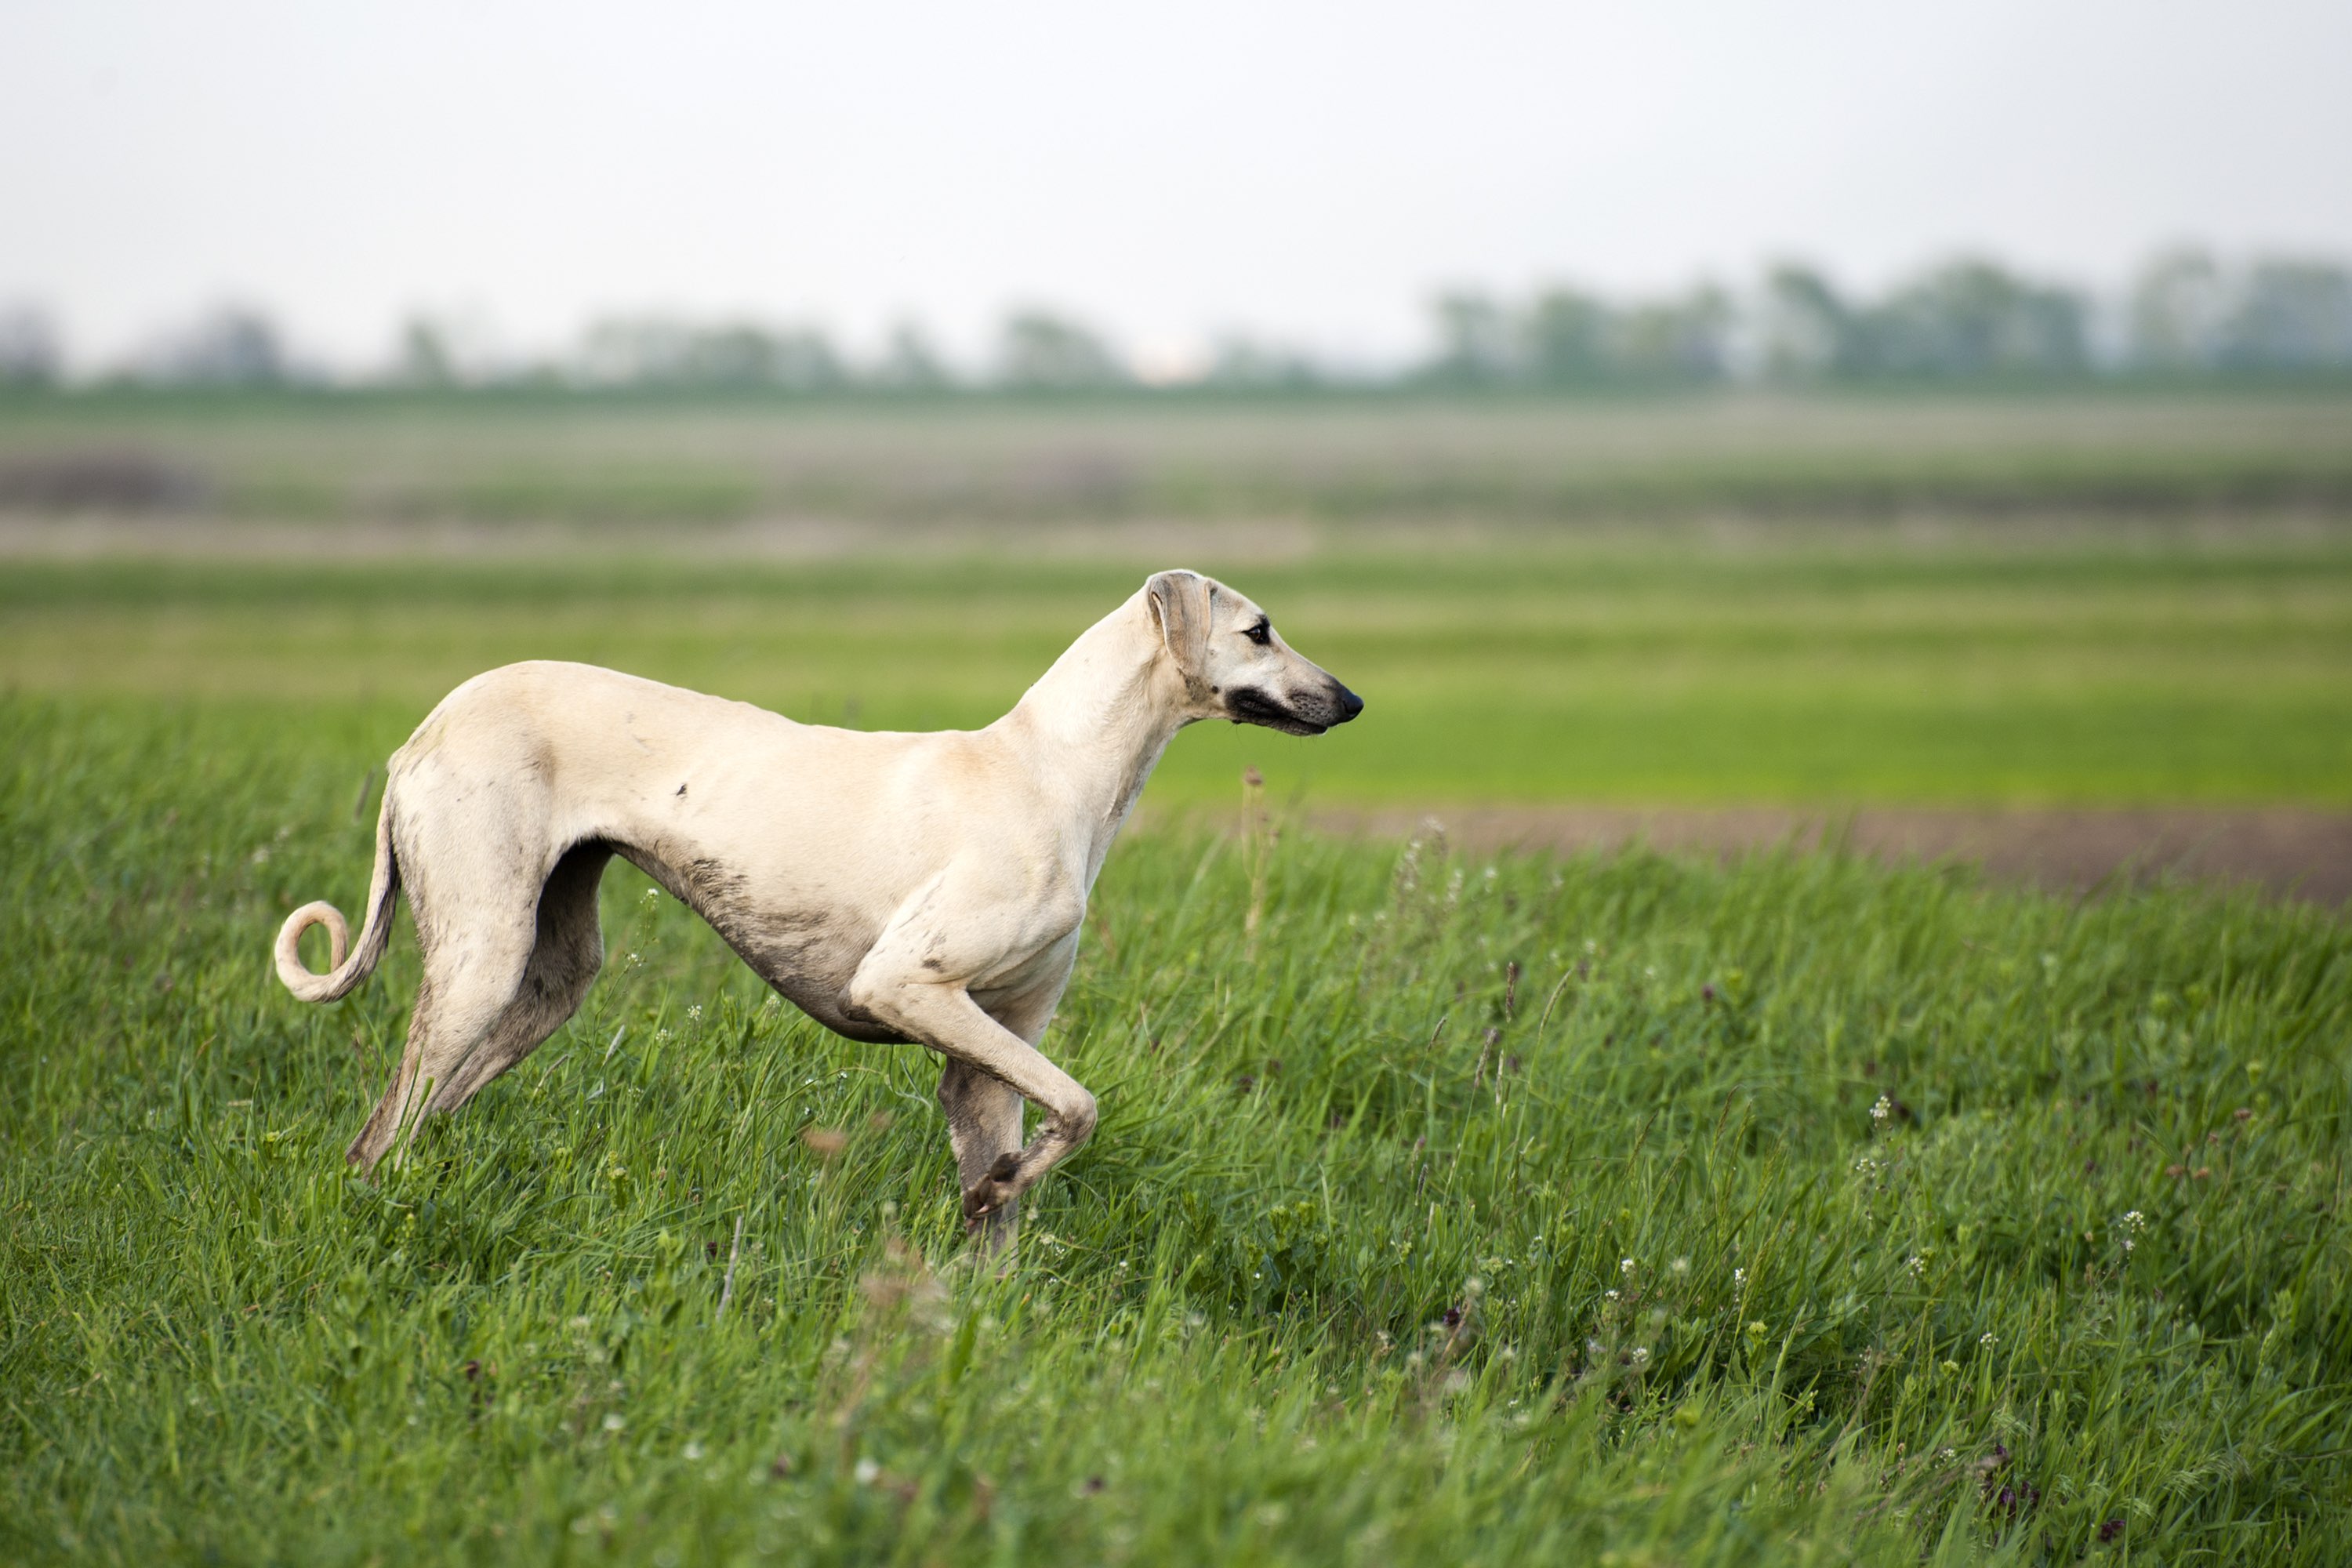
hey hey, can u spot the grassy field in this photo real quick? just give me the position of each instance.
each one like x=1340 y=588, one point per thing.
x=1628 y=1211
x=2096 y=670
x=1361 y=460
x=2129 y=598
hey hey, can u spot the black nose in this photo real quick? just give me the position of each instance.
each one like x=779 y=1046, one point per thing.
x=1350 y=705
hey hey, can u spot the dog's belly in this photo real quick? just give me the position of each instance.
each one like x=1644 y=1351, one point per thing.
x=806 y=952
x=808 y=959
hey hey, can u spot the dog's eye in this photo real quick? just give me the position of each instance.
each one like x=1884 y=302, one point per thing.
x=1261 y=633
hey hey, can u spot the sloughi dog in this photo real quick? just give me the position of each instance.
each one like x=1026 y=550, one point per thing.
x=897 y=888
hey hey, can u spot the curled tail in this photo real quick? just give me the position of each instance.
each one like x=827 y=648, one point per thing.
x=383 y=892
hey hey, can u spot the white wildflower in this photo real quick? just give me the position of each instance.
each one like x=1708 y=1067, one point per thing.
x=1883 y=1110
x=1988 y=1341
x=1626 y=1266
x=1640 y=1355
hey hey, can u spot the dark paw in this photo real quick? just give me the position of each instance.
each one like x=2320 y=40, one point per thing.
x=991 y=1192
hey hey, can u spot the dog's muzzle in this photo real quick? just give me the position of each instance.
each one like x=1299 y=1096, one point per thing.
x=1298 y=713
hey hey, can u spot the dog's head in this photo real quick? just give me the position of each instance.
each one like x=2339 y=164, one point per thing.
x=1236 y=665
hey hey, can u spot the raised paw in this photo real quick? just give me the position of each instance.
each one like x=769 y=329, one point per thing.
x=991 y=1192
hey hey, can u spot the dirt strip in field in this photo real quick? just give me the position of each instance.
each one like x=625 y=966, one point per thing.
x=2287 y=851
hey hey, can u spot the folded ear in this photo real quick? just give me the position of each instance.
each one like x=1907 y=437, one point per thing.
x=1181 y=604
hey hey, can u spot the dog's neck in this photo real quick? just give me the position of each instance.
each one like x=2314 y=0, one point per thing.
x=1094 y=726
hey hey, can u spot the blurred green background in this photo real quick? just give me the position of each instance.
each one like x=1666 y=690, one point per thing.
x=2083 y=598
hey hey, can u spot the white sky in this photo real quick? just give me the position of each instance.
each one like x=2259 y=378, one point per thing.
x=1313 y=172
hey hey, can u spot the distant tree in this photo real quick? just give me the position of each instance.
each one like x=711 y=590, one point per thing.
x=735 y=355
x=2176 y=310
x=1044 y=352
x=795 y=359
x=806 y=361
x=911 y=362
x=1807 y=329
x=1972 y=317
x=632 y=351
x=1243 y=363
x=659 y=353
x=426 y=357
x=2291 y=315
x=1566 y=339
x=230 y=346
x=29 y=350
x=1474 y=341
x=1682 y=339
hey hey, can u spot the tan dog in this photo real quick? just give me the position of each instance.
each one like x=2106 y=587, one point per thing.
x=923 y=888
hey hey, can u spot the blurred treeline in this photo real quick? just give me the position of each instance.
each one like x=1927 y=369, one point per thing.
x=2187 y=315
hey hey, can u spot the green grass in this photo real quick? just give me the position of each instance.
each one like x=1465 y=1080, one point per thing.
x=1711 y=1308
x=2081 y=1293
x=2093 y=667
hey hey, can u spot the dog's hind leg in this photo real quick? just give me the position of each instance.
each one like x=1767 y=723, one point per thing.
x=495 y=986
x=564 y=958
x=984 y=1115
x=983 y=1126
x=468 y=987
x=944 y=1016
x=475 y=888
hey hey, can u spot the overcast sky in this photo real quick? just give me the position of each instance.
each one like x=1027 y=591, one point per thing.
x=1311 y=171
